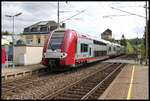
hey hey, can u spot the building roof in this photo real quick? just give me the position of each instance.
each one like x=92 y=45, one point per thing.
x=42 y=27
x=107 y=31
x=44 y=23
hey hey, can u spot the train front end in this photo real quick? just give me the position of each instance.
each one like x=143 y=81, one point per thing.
x=57 y=49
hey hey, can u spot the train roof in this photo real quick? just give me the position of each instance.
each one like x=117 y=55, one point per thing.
x=89 y=37
x=92 y=37
x=98 y=39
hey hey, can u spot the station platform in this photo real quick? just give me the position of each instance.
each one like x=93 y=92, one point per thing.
x=5 y=71
x=131 y=83
x=125 y=61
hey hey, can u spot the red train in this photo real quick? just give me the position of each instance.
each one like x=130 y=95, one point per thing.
x=69 y=48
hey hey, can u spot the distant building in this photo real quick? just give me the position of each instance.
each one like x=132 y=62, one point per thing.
x=7 y=39
x=107 y=34
x=4 y=41
x=17 y=39
x=36 y=34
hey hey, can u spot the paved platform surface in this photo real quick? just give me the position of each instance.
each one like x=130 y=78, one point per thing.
x=131 y=83
x=125 y=61
x=18 y=69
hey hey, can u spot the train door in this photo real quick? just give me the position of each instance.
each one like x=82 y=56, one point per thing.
x=76 y=49
x=90 y=50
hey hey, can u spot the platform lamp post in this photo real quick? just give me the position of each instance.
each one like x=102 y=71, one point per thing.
x=13 y=16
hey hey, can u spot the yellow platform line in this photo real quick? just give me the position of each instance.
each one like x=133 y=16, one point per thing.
x=131 y=83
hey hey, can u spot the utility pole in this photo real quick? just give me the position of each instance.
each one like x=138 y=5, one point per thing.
x=146 y=34
x=58 y=14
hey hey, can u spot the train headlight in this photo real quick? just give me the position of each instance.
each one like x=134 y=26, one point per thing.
x=44 y=55
x=63 y=55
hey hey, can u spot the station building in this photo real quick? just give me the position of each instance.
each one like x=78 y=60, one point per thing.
x=37 y=33
x=107 y=34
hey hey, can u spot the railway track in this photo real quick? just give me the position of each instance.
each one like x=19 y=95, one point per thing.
x=22 y=74
x=89 y=87
x=127 y=57
x=10 y=84
x=13 y=87
x=18 y=85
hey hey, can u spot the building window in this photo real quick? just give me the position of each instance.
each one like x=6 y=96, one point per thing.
x=26 y=30
x=29 y=41
x=34 y=29
x=43 y=29
x=38 y=40
x=53 y=28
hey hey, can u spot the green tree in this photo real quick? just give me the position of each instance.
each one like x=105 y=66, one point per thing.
x=6 y=33
x=20 y=34
x=141 y=48
x=129 y=47
x=111 y=40
x=123 y=41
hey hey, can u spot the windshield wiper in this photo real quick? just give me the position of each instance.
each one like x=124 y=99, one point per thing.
x=51 y=46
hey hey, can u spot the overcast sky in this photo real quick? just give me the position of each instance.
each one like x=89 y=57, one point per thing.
x=91 y=21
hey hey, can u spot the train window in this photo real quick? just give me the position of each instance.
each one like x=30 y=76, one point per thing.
x=109 y=48
x=114 y=49
x=84 y=48
x=100 y=53
x=98 y=42
x=56 y=40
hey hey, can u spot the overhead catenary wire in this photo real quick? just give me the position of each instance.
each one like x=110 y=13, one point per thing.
x=73 y=16
x=115 y=21
x=128 y=12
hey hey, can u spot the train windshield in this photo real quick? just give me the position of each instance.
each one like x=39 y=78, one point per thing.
x=56 y=40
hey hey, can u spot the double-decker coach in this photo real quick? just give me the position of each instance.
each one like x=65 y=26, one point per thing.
x=66 y=47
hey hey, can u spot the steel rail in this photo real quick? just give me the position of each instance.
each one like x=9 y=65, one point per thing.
x=61 y=90
x=97 y=86
x=30 y=81
x=10 y=88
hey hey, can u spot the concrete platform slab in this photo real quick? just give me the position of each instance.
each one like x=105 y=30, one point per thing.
x=18 y=69
x=124 y=61
x=140 y=89
x=119 y=88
